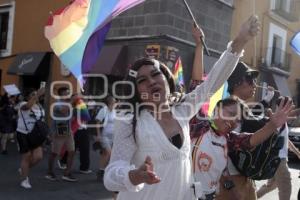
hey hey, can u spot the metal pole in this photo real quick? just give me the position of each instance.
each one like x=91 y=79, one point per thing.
x=193 y=18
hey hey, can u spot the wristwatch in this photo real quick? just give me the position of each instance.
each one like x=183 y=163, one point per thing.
x=228 y=184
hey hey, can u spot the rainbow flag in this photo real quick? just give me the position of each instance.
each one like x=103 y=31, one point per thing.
x=295 y=43
x=81 y=115
x=222 y=93
x=178 y=72
x=77 y=31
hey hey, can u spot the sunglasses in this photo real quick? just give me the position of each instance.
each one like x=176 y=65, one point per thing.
x=250 y=80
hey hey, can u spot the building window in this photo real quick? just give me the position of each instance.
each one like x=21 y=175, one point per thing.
x=287 y=9
x=276 y=54
x=4 y=17
x=6 y=28
x=284 y=5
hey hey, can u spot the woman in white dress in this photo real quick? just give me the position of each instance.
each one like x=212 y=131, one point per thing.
x=151 y=153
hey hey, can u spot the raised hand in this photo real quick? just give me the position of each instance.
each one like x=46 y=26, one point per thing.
x=294 y=114
x=249 y=29
x=282 y=113
x=197 y=33
x=41 y=91
x=144 y=174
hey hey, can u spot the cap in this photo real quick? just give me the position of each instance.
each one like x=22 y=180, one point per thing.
x=241 y=71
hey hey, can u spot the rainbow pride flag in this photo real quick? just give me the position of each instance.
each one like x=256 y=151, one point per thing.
x=77 y=31
x=295 y=43
x=81 y=115
x=222 y=93
x=178 y=72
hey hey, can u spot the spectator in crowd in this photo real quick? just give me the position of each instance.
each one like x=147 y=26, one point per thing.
x=29 y=112
x=79 y=129
x=8 y=121
x=105 y=118
x=62 y=136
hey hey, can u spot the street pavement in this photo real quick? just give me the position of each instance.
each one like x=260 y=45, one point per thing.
x=87 y=188
x=295 y=171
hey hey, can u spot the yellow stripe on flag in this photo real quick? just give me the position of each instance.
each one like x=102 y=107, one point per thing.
x=68 y=37
x=214 y=100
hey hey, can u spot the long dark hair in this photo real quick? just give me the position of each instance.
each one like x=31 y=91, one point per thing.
x=136 y=97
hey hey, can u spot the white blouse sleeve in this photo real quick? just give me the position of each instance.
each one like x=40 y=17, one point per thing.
x=116 y=176
x=215 y=79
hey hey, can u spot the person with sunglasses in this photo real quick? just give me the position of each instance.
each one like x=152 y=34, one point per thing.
x=242 y=86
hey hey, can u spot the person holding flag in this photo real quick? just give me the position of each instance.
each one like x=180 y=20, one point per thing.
x=151 y=154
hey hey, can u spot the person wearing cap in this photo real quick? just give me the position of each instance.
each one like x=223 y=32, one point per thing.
x=242 y=86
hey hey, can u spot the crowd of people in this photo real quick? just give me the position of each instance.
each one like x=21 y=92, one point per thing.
x=159 y=143
x=67 y=132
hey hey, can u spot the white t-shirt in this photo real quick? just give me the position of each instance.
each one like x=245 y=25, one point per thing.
x=283 y=153
x=108 y=116
x=209 y=160
x=28 y=117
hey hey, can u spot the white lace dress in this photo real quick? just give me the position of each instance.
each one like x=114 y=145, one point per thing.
x=171 y=164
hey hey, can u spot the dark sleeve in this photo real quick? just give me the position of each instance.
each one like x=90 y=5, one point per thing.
x=250 y=123
x=199 y=125
x=239 y=142
x=261 y=106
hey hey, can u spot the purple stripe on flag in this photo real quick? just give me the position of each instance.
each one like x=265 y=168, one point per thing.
x=93 y=48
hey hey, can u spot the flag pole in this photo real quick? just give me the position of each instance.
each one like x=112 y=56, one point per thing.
x=194 y=19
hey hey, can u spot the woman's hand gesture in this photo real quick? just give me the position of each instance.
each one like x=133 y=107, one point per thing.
x=144 y=174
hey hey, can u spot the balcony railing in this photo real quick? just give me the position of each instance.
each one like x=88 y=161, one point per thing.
x=288 y=9
x=278 y=58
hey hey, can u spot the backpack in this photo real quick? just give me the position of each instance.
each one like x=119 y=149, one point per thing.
x=261 y=162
